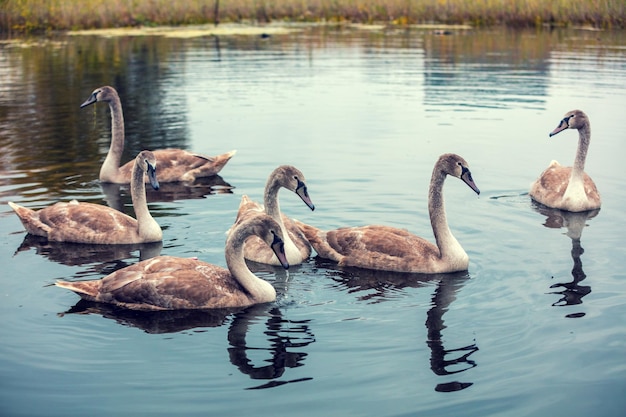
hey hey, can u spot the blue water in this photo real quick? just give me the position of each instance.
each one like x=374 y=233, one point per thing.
x=534 y=327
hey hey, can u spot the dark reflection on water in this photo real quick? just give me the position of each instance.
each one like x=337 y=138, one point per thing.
x=286 y=338
x=103 y=259
x=444 y=295
x=283 y=335
x=154 y=322
x=118 y=195
x=572 y=292
x=218 y=49
x=378 y=286
x=70 y=143
x=381 y=286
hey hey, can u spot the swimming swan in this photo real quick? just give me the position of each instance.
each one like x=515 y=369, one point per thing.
x=174 y=164
x=297 y=248
x=95 y=223
x=172 y=283
x=569 y=188
x=391 y=249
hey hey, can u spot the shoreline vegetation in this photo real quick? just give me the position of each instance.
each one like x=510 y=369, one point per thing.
x=41 y=16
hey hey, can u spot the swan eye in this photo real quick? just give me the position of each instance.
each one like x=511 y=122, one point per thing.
x=275 y=239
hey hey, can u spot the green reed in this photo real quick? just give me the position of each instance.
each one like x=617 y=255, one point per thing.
x=42 y=15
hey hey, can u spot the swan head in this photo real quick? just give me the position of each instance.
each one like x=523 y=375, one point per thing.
x=147 y=161
x=456 y=166
x=105 y=93
x=575 y=119
x=293 y=179
x=270 y=232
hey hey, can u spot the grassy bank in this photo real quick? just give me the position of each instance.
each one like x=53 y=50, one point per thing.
x=45 y=15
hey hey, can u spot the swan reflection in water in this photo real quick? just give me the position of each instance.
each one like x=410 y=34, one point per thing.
x=572 y=292
x=440 y=362
x=379 y=286
x=285 y=338
x=117 y=194
x=104 y=259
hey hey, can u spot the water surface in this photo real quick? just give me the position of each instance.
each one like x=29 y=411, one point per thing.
x=534 y=327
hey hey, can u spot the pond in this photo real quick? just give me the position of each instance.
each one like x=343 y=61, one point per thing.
x=534 y=327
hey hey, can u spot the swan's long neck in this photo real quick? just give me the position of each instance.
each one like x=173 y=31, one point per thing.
x=575 y=191
x=258 y=290
x=272 y=209
x=148 y=227
x=114 y=156
x=449 y=247
x=584 y=134
x=270 y=201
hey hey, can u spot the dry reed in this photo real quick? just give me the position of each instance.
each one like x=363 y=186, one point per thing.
x=43 y=15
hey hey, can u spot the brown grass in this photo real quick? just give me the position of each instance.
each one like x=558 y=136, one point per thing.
x=45 y=15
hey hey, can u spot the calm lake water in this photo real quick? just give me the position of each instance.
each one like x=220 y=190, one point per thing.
x=535 y=327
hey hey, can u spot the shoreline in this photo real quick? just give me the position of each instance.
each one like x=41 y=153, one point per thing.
x=243 y=29
x=252 y=29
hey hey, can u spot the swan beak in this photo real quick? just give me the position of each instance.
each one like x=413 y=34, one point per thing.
x=278 y=246
x=92 y=99
x=466 y=176
x=562 y=126
x=304 y=194
x=151 y=172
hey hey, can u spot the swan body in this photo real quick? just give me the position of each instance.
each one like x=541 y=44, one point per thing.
x=174 y=164
x=392 y=249
x=297 y=247
x=569 y=188
x=172 y=283
x=94 y=223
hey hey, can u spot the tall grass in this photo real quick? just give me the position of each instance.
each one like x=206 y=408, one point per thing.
x=37 y=15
